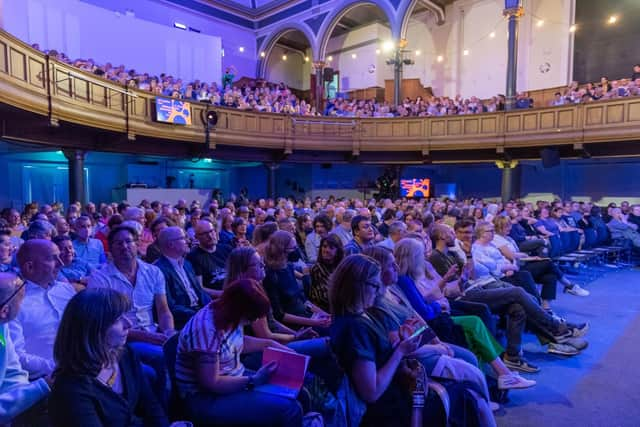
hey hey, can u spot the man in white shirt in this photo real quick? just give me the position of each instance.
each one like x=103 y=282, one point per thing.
x=17 y=394
x=34 y=329
x=144 y=284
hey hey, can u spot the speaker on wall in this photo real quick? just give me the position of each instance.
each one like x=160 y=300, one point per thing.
x=328 y=74
x=550 y=157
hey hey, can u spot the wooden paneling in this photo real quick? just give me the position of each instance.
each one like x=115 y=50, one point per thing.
x=18 y=61
x=85 y=99
x=36 y=73
x=4 y=57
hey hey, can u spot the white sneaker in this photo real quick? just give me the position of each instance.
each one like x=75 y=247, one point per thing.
x=514 y=381
x=577 y=291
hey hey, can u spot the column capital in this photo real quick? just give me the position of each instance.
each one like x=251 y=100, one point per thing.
x=506 y=164
x=318 y=65
x=516 y=11
x=72 y=154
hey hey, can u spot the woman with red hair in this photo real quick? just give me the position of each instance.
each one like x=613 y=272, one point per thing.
x=212 y=381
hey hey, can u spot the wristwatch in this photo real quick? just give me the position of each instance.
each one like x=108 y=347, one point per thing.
x=250 y=385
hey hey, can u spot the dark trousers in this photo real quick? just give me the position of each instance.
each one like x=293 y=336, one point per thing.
x=545 y=273
x=518 y=307
x=525 y=280
x=532 y=246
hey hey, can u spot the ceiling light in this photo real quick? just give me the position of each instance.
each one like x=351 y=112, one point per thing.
x=612 y=19
x=354 y=56
x=573 y=28
x=179 y=25
x=387 y=46
x=306 y=59
x=465 y=52
x=377 y=51
x=418 y=53
x=330 y=58
x=262 y=54
x=284 y=57
x=540 y=23
x=440 y=58
x=241 y=49
x=492 y=35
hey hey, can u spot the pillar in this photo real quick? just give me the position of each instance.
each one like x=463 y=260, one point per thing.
x=397 y=77
x=77 y=184
x=513 y=11
x=272 y=167
x=507 y=189
x=319 y=89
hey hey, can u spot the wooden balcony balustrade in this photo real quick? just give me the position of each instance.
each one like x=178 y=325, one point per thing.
x=31 y=81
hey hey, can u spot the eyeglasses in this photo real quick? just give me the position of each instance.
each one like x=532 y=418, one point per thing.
x=374 y=285
x=21 y=284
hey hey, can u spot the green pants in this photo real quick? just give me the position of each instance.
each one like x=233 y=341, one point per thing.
x=481 y=342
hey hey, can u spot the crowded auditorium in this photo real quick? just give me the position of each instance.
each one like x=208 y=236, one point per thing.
x=319 y=213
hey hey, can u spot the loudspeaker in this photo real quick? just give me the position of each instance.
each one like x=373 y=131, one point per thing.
x=550 y=157
x=328 y=74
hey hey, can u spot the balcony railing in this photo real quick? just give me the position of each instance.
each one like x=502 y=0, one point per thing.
x=31 y=81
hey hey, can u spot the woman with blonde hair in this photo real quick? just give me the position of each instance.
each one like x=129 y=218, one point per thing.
x=423 y=285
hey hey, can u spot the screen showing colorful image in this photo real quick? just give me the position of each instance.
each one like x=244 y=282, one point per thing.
x=173 y=111
x=415 y=187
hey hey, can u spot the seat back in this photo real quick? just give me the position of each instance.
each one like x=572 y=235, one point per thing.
x=170 y=352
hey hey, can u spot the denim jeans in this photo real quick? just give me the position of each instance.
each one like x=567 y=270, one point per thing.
x=519 y=308
x=151 y=355
x=243 y=408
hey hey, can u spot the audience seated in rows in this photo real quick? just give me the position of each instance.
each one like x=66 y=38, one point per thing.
x=278 y=98
x=455 y=274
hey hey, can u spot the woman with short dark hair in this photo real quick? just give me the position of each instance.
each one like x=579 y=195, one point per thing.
x=98 y=380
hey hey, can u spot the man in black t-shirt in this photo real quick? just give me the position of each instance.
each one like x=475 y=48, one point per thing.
x=207 y=263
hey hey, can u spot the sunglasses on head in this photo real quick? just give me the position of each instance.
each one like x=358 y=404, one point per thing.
x=21 y=284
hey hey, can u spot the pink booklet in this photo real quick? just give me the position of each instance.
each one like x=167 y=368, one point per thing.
x=287 y=380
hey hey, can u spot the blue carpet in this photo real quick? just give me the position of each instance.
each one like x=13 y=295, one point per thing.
x=600 y=386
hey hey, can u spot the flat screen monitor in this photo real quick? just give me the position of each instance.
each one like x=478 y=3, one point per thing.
x=415 y=187
x=174 y=111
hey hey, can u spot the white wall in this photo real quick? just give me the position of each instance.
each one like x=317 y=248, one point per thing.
x=468 y=25
x=363 y=42
x=291 y=71
x=83 y=29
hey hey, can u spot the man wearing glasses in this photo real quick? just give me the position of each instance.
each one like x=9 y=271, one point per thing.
x=207 y=262
x=17 y=394
x=184 y=293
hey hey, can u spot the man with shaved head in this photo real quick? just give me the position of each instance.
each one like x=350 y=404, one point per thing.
x=184 y=292
x=208 y=264
x=17 y=394
x=34 y=330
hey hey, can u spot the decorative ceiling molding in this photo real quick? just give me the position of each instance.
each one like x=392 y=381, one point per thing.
x=253 y=12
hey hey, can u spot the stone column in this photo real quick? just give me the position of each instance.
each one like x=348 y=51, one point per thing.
x=272 y=167
x=397 y=76
x=319 y=89
x=507 y=167
x=513 y=11
x=77 y=184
